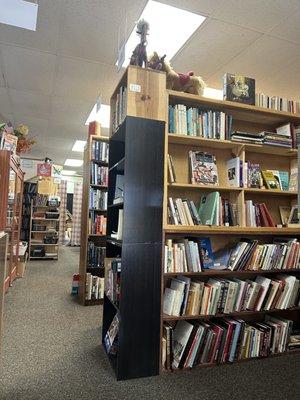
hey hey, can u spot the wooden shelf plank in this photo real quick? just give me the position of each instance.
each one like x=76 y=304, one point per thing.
x=225 y=272
x=234 y=314
x=204 y=187
x=93 y=302
x=96 y=234
x=271 y=192
x=243 y=112
x=98 y=186
x=230 y=230
x=176 y=138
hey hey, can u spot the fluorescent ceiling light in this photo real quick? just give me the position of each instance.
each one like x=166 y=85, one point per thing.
x=67 y=172
x=170 y=28
x=213 y=93
x=19 y=13
x=71 y=162
x=79 y=145
x=102 y=116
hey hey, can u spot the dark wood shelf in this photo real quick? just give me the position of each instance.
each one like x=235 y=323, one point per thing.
x=119 y=166
x=93 y=302
x=99 y=162
x=114 y=241
x=117 y=205
x=98 y=186
x=222 y=315
x=98 y=210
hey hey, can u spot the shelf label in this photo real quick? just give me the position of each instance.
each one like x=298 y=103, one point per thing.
x=133 y=87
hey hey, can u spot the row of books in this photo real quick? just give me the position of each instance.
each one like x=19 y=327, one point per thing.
x=258 y=215
x=213 y=210
x=119 y=113
x=111 y=339
x=99 y=175
x=95 y=255
x=113 y=281
x=97 y=224
x=194 y=122
x=203 y=170
x=226 y=296
x=183 y=255
x=100 y=151
x=41 y=200
x=227 y=340
x=285 y=136
x=98 y=199
x=94 y=287
x=277 y=103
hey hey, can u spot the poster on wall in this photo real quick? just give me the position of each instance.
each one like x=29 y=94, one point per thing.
x=44 y=169
x=56 y=172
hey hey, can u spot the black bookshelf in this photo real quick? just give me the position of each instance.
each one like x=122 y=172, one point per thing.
x=137 y=152
x=29 y=193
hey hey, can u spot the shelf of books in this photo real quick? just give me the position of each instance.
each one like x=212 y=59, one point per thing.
x=228 y=234
x=44 y=228
x=93 y=221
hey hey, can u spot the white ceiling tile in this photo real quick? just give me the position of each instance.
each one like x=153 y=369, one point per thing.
x=261 y=15
x=261 y=61
x=5 y=106
x=30 y=103
x=91 y=28
x=214 y=44
x=207 y=7
x=75 y=111
x=46 y=35
x=289 y=28
x=79 y=78
x=29 y=69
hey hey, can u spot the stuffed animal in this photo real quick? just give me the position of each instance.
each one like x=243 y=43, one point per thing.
x=139 y=54
x=188 y=83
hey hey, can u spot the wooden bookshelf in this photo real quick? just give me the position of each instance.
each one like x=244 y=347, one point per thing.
x=142 y=277
x=11 y=189
x=86 y=236
x=36 y=237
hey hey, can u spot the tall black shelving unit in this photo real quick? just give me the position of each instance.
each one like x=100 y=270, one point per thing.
x=29 y=193
x=137 y=152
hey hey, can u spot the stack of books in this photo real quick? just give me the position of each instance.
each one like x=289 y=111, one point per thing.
x=97 y=224
x=213 y=210
x=96 y=255
x=185 y=297
x=190 y=121
x=99 y=175
x=277 y=103
x=248 y=137
x=100 y=151
x=98 y=199
x=229 y=339
x=113 y=281
x=94 y=287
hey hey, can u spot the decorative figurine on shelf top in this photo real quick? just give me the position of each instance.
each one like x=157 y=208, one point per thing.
x=188 y=83
x=139 y=55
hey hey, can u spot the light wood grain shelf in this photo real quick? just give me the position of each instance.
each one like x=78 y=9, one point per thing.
x=222 y=315
x=204 y=187
x=230 y=230
x=224 y=272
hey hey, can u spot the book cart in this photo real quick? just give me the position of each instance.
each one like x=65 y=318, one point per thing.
x=139 y=148
x=86 y=236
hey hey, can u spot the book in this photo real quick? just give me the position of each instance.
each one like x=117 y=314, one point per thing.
x=181 y=336
x=203 y=168
x=270 y=180
x=208 y=208
x=293 y=185
x=284 y=180
x=233 y=172
x=206 y=253
x=169 y=300
x=171 y=170
x=239 y=88
x=253 y=175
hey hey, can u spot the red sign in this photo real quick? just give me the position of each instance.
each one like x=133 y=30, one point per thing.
x=44 y=169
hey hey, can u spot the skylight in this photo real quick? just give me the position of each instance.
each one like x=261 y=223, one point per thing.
x=102 y=116
x=170 y=28
x=71 y=162
x=79 y=145
x=19 y=13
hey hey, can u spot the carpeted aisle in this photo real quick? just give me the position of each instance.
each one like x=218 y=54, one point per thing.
x=52 y=351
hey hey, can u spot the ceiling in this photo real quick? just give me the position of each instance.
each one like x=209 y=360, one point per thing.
x=50 y=79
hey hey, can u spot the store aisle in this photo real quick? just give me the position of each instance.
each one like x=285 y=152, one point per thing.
x=52 y=351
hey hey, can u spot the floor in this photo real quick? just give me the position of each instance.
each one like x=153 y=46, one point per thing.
x=52 y=351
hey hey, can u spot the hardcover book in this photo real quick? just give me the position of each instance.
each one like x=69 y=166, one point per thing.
x=270 y=180
x=239 y=88
x=233 y=172
x=203 y=168
x=206 y=253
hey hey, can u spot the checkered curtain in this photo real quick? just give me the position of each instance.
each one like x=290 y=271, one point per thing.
x=76 y=221
x=62 y=192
